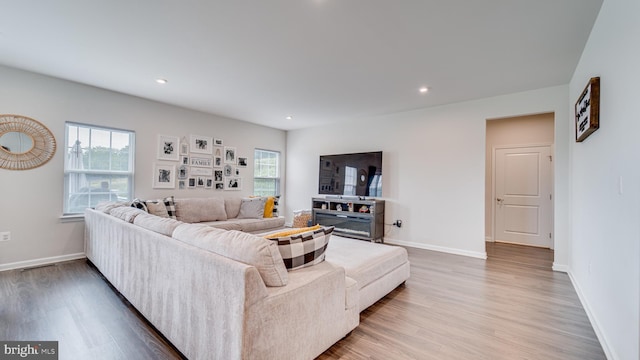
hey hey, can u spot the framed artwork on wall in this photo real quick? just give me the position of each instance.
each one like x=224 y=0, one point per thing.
x=168 y=147
x=201 y=161
x=201 y=144
x=233 y=183
x=229 y=155
x=164 y=176
x=588 y=110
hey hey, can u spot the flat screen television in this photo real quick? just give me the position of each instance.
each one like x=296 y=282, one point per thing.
x=358 y=174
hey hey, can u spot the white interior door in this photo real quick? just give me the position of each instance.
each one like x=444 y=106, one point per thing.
x=523 y=196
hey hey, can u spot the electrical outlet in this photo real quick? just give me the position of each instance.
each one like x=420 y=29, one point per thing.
x=398 y=223
x=5 y=236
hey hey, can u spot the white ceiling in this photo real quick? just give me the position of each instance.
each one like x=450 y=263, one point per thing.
x=321 y=61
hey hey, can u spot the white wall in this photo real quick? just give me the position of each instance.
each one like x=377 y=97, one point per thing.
x=605 y=183
x=32 y=200
x=433 y=165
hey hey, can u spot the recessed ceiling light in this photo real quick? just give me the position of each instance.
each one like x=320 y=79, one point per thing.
x=423 y=89
x=289 y=117
x=162 y=81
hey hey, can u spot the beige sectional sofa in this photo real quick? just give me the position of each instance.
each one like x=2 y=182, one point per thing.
x=226 y=294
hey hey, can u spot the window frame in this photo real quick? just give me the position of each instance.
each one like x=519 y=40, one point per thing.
x=276 y=179
x=130 y=173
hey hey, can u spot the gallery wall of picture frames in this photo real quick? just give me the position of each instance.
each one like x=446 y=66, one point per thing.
x=197 y=162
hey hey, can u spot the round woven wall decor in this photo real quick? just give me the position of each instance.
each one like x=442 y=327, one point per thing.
x=43 y=143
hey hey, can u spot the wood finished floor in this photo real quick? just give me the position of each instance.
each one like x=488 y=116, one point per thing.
x=511 y=306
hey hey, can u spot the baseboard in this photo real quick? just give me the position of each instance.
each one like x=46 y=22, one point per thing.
x=560 y=268
x=592 y=319
x=40 y=262
x=444 y=249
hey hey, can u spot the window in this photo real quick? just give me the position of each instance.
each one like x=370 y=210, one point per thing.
x=266 y=173
x=98 y=166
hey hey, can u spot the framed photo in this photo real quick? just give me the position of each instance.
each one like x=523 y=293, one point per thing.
x=217 y=175
x=208 y=183
x=228 y=170
x=242 y=161
x=236 y=171
x=184 y=160
x=217 y=142
x=219 y=186
x=217 y=151
x=200 y=181
x=201 y=144
x=168 y=147
x=191 y=183
x=164 y=176
x=229 y=155
x=588 y=110
x=197 y=171
x=182 y=184
x=200 y=161
x=233 y=183
x=184 y=146
x=183 y=172
x=217 y=161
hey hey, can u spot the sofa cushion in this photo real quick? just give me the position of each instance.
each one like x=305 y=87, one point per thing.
x=162 y=225
x=252 y=208
x=232 y=207
x=126 y=213
x=246 y=248
x=365 y=261
x=303 y=249
x=107 y=206
x=200 y=209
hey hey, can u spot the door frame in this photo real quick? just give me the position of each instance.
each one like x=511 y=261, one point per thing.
x=493 y=185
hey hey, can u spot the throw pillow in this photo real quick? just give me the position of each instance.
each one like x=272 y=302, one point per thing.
x=286 y=233
x=268 y=206
x=252 y=208
x=140 y=204
x=304 y=249
x=168 y=203
x=157 y=209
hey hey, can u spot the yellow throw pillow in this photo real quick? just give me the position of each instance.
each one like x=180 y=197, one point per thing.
x=268 y=206
x=291 y=232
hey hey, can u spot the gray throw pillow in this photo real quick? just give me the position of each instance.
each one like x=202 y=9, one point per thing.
x=252 y=208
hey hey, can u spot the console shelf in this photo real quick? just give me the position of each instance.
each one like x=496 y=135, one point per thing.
x=359 y=219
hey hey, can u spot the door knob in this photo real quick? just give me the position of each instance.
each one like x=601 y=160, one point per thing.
x=499 y=200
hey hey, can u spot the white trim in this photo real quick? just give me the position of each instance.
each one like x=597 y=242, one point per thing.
x=448 y=250
x=488 y=238
x=560 y=268
x=593 y=320
x=72 y=218
x=42 y=261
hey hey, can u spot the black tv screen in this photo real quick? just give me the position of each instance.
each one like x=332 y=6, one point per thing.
x=358 y=174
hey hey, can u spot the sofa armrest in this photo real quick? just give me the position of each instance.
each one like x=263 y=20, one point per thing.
x=311 y=309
